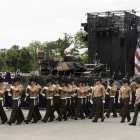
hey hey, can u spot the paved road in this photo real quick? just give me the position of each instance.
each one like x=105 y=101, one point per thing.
x=111 y=129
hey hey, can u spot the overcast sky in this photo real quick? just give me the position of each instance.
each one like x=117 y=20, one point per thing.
x=22 y=21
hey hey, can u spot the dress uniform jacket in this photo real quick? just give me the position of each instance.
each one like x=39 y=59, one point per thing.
x=98 y=90
x=125 y=92
x=137 y=106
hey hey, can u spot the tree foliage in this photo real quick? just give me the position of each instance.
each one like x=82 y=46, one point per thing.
x=26 y=58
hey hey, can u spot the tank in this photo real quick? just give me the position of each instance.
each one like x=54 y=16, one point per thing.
x=59 y=65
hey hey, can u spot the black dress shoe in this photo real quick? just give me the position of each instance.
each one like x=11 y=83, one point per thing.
x=129 y=120
x=82 y=118
x=75 y=118
x=9 y=123
x=102 y=120
x=107 y=116
x=132 y=124
x=58 y=119
x=65 y=119
x=94 y=121
x=43 y=120
x=122 y=121
x=34 y=121
x=51 y=120
x=26 y=121
x=120 y=114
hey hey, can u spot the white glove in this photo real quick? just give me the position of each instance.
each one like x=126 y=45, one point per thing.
x=27 y=94
x=109 y=87
x=12 y=87
x=107 y=93
x=9 y=94
x=60 y=88
x=91 y=101
x=28 y=86
x=25 y=99
x=103 y=101
x=43 y=94
x=45 y=87
x=91 y=87
x=54 y=85
x=77 y=88
x=74 y=94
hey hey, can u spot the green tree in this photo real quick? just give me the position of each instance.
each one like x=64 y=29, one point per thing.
x=24 y=60
x=33 y=48
x=63 y=44
x=78 y=41
x=50 y=47
x=12 y=58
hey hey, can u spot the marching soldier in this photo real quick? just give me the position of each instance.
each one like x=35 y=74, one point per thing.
x=37 y=100
x=32 y=99
x=68 y=105
x=111 y=91
x=56 y=96
x=80 y=94
x=73 y=94
x=2 y=94
x=48 y=93
x=21 y=90
x=137 y=104
x=98 y=92
x=124 y=94
x=15 y=103
x=63 y=96
x=86 y=89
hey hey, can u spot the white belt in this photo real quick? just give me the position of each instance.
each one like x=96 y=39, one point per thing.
x=112 y=96
x=33 y=97
x=35 y=101
x=56 y=94
x=19 y=101
x=64 y=98
x=88 y=95
x=51 y=98
x=81 y=96
x=1 y=99
x=84 y=96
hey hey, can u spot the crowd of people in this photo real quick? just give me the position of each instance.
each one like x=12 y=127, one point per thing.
x=60 y=97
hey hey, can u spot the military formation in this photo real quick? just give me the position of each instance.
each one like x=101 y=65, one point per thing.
x=62 y=96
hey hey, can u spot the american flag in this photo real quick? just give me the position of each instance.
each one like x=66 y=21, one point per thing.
x=137 y=61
